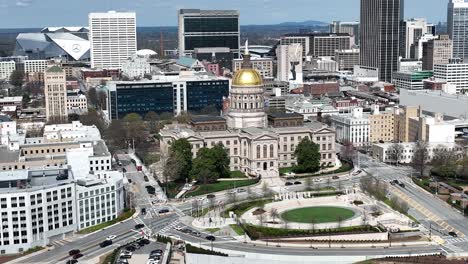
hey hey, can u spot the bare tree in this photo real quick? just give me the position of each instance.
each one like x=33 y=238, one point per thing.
x=420 y=157
x=274 y=214
x=348 y=151
x=444 y=161
x=396 y=151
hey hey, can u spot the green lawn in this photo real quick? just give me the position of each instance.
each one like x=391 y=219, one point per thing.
x=125 y=215
x=319 y=214
x=212 y=230
x=220 y=186
x=239 y=231
x=345 y=167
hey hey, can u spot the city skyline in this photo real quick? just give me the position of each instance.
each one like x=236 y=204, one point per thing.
x=159 y=13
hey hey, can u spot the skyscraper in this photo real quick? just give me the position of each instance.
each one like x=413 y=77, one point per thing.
x=112 y=37
x=412 y=31
x=457 y=27
x=208 y=29
x=55 y=91
x=380 y=35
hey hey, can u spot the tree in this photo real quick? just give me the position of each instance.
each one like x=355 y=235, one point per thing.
x=308 y=157
x=174 y=167
x=92 y=97
x=444 y=162
x=274 y=213
x=151 y=118
x=216 y=159
x=183 y=150
x=183 y=118
x=115 y=135
x=102 y=100
x=166 y=116
x=203 y=167
x=420 y=157
x=221 y=160
x=348 y=151
x=26 y=100
x=132 y=117
x=396 y=151
x=93 y=117
x=73 y=117
x=17 y=78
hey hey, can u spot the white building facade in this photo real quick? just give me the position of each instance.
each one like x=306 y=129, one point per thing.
x=112 y=36
x=6 y=68
x=354 y=127
x=454 y=73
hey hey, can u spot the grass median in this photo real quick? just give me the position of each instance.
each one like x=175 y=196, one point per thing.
x=125 y=215
x=220 y=186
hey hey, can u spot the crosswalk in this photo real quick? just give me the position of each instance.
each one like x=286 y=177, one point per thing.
x=59 y=243
x=165 y=230
x=452 y=240
x=453 y=248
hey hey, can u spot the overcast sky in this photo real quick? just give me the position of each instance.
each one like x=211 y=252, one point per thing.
x=39 y=13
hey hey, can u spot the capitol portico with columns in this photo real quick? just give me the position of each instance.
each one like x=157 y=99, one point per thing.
x=258 y=144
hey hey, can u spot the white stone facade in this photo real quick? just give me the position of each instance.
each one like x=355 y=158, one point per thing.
x=354 y=127
x=6 y=68
x=383 y=152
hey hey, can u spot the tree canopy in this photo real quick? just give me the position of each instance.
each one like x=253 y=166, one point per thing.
x=308 y=157
x=211 y=164
x=180 y=153
x=17 y=78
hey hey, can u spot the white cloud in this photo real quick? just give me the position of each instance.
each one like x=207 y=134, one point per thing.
x=23 y=3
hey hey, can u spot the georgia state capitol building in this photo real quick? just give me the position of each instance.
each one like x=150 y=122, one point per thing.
x=258 y=144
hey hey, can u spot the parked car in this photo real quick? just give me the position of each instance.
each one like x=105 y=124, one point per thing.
x=453 y=234
x=144 y=241
x=146 y=178
x=196 y=233
x=143 y=211
x=139 y=226
x=335 y=177
x=130 y=248
x=210 y=196
x=73 y=252
x=111 y=237
x=317 y=180
x=297 y=182
x=72 y=261
x=77 y=256
x=105 y=243
x=124 y=170
x=288 y=183
x=210 y=238
x=241 y=190
x=126 y=255
x=402 y=185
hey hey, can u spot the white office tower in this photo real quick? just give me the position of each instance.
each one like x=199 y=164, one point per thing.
x=290 y=63
x=112 y=36
x=457 y=25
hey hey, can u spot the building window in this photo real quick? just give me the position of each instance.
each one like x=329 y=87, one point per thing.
x=265 y=150
x=258 y=151
x=272 y=152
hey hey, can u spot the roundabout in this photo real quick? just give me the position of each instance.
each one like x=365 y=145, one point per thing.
x=318 y=214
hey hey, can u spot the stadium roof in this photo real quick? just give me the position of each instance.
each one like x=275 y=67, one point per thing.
x=52 y=45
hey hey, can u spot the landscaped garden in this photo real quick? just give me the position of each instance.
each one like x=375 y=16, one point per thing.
x=317 y=215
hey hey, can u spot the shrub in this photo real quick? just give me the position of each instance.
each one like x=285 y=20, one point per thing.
x=196 y=250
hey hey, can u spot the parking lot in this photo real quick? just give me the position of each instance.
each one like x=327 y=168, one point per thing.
x=142 y=252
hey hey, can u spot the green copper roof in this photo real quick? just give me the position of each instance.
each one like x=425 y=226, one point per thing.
x=54 y=69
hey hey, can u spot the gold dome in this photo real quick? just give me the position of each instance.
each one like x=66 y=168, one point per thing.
x=247 y=77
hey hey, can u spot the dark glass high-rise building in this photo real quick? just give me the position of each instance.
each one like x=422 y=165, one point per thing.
x=167 y=95
x=208 y=29
x=381 y=22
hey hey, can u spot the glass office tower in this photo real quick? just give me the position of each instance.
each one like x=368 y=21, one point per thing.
x=208 y=29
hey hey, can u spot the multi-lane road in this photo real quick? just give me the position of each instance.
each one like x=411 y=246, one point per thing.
x=429 y=210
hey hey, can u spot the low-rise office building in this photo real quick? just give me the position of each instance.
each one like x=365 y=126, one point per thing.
x=354 y=127
x=385 y=152
x=411 y=80
x=187 y=92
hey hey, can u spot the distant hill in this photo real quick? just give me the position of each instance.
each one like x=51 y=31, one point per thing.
x=308 y=23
